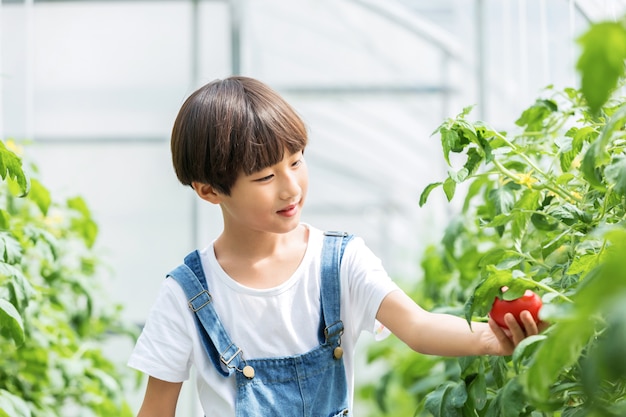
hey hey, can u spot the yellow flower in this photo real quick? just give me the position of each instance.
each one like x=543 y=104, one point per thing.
x=526 y=179
x=14 y=147
x=576 y=195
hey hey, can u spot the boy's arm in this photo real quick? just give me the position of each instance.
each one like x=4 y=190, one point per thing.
x=448 y=335
x=160 y=398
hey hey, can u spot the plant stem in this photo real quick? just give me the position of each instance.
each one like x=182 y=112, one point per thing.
x=521 y=154
x=547 y=288
x=555 y=189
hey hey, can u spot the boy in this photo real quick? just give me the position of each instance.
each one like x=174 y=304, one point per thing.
x=269 y=333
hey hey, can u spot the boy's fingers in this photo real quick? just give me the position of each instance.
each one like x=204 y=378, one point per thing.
x=502 y=335
x=517 y=333
x=530 y=326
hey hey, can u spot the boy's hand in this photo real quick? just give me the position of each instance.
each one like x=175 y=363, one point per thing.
x=505 y=340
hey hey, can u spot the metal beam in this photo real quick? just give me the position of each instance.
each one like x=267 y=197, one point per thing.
x=409 y=89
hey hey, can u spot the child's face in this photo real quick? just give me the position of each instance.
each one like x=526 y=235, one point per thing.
x=269 y=200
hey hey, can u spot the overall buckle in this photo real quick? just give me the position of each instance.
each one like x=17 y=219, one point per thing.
x=192 y=299
x=247 y=370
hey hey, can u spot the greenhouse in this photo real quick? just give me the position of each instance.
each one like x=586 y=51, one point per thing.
x=471 y=145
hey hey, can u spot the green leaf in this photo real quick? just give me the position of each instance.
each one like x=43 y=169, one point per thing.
x=458 y=395
x=597 y=155
x=453 y=230
x=459 y=176
x=10 y=248
x=607 y=360
x=84 y=225
x=499 y=220
x=616 y=175
x=499 y=369
x=5 y=219
x=491 y=287
x=572 y=148
x=447 y=400
x=525 y=349
x=450 y=142
x=466 y=132
x=40 y=195
x=502 y=198
x=543 y=221
x=466 y=110
x=511 y=399
x=449 y=186
x=601 y=63
x=429 y=188
x=474 y=159
x=21 y=289
x=11 y=324
x=78 y=204
x=608 y=280
x=569 y=214
x=521 y=212
x=558 y=351
x=12 y=405
x=487 y=141
x=582 y=264
x=477 y=391
x=11 y=167
x=533 y=117
x=495 y=255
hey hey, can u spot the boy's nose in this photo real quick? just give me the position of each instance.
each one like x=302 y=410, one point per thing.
x=290 y=187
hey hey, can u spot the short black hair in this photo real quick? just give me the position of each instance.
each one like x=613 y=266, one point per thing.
x=233 y=126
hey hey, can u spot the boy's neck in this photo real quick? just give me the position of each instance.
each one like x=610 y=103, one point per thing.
x=258 y=244
x=261 y=260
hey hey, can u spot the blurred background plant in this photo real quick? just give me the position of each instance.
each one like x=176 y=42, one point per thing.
x=544 y=208
x=54 y=322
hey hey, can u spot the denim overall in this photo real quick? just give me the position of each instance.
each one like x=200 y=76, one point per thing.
x=312 y=384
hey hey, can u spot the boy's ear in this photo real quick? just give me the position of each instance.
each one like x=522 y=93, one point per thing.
x=206 y=192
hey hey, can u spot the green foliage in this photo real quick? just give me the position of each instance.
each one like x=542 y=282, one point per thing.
x=52 y=323
x=602 y=61
x=545 y=209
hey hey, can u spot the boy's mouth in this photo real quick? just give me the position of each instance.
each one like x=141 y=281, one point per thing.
x=288 y=211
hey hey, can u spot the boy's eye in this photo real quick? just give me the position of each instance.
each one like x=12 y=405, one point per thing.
x=265 y=178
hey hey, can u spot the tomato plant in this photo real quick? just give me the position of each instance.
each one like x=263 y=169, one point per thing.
x=501 y=305
x=52 y=318
x=544 y=209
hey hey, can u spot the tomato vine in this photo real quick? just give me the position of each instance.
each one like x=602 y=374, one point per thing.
x=52 y=318
x=544 y=209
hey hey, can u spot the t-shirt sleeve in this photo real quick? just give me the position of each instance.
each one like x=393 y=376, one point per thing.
x=368 y=284
x=164 y=347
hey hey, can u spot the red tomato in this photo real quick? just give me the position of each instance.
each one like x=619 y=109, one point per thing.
x=529 y=301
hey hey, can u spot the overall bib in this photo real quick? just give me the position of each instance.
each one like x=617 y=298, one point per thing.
x=312 y=384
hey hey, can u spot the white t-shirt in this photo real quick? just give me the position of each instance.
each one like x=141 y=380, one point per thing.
x=274 y=322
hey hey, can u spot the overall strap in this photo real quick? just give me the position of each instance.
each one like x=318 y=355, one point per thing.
x=332 y=252
x=217 y=343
